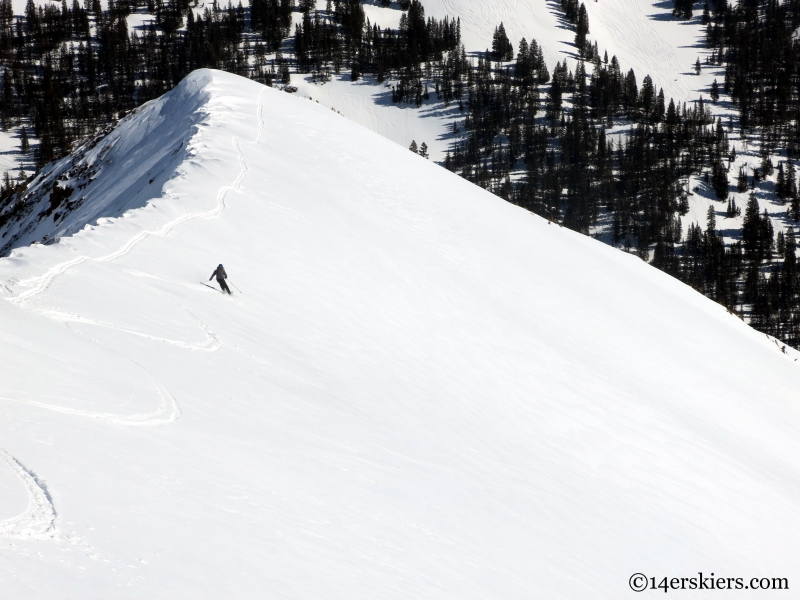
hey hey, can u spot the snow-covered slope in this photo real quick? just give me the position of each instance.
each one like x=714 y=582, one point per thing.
x=369 y=104
x=421 y=390
x=644 y=35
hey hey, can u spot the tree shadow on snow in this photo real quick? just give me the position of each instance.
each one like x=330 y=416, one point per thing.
x=554 y=6
x=393 y=6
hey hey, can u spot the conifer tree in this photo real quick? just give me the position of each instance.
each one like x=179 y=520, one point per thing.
x=683 y=8
x=24 y=144
x=791 y=180
x=714 y=92
x=502 y=50
x=719 y=180
x=581 y=29
x=780 y=184
x=794 y=209
x=711 y=221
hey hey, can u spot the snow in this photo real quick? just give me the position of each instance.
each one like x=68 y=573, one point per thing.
x=644 y=36
x=11 y=159
x=420 y=390
x=369 y=103
x=140 y=20
x=141 y=154
x=642 y=33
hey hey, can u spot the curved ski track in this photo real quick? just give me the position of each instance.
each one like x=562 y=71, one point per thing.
x=211 y=344
x=168 y=410
x=39 y=520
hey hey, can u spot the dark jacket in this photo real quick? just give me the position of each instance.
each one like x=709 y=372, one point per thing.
x=219 y=273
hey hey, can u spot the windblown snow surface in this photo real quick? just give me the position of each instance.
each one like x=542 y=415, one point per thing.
x=420 y=391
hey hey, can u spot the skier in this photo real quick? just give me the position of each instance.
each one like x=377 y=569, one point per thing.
x=221 y=276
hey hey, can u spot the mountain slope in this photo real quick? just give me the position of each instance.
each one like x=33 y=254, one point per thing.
x=644 y=36
x=421 y=390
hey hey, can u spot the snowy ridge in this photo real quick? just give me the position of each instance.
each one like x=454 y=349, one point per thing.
x=423 y=391
x=144 y=148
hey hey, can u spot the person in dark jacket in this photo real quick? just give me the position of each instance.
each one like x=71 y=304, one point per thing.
x=221 y=276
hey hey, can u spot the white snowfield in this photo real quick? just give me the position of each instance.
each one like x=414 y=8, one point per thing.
x=421 y=391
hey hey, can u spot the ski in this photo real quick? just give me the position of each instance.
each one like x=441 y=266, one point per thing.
x=212 y=287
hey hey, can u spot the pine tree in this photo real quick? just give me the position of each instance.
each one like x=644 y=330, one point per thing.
x=780 y=184
x=741 y=181
x=423 y=150
x=581 y=29
x=733 y=210
x=711 y=221
x=714 y=92
x=794 y=209
x=757 y=232
x=683 y=8
x=719 y=180
x=790 y=260
x=791 y=180
x=502 y=50
x=24 y=144
x=413 y=146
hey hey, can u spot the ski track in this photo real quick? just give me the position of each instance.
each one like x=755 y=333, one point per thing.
x=212 y=343
x=38 y=522
x=168 y=410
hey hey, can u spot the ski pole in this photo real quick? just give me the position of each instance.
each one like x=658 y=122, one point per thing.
x=234 y=285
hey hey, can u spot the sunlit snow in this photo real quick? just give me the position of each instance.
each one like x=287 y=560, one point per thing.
x=417 y=389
